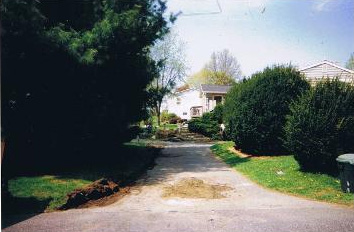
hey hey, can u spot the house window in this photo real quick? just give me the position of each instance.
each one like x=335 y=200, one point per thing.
x=178 y=101
x=184 y=113
x=196 y=111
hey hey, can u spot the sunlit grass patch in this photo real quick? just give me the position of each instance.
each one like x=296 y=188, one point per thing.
x=42 y=188
x=282 y=173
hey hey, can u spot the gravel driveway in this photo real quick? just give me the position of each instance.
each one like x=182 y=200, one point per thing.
x=245 y=207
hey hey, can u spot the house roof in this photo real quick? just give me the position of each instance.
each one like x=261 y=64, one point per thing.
x=328 y=63
x=215 y=88
x=182 y=88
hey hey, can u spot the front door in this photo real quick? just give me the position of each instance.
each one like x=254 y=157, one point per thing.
x=218 y=99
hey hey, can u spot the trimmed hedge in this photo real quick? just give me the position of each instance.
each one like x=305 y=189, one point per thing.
x=321 y=126
x=255 y=110
x=207 y=125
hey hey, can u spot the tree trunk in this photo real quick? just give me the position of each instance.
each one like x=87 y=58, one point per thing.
x=158 y=113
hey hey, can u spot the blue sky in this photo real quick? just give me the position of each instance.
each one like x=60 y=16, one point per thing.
x=265 y=32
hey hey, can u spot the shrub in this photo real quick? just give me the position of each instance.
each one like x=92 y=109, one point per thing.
x=174 y=120
x=320 y=126
x=255 y=110
x=217 y=113
x=164 y=116
x=171 y=118
x=206 y=125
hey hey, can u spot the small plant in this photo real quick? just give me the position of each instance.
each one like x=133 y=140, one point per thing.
x=171 y=118
x=320 y=126
x=174 y=120
x=164 y=116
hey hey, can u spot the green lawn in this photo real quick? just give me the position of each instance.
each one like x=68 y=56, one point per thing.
x=32 y=194
x=51 y=189
x=168 y=126
x=282 y=173
x=163 y=125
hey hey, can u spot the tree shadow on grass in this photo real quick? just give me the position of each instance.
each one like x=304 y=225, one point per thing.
x=233 y=160
x=228 y=157
x=125 y=167
x=17 y=209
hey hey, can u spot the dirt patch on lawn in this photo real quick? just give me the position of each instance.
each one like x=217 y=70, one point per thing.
x=245 y=155
x=195 y=188
x=238 y=152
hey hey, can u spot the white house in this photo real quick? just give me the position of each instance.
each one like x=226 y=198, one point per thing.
x=327 y=69
x=189 y=102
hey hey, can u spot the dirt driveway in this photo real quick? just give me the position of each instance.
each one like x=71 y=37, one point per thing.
x=241 y=205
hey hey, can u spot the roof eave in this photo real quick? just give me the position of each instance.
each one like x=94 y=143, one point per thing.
x=329 y=63
x=214 y=92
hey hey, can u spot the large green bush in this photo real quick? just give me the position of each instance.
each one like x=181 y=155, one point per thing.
x=255 y=110
x=206 y=125
x=321 y=126
x=60 y=73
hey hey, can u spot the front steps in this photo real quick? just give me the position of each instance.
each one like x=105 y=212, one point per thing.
x=186 y=135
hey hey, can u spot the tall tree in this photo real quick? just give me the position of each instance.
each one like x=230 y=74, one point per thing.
x=222 y=69
x=223 y=64
x=201 y=77
x=169 y=54
x=71 y=85
x=350 y=62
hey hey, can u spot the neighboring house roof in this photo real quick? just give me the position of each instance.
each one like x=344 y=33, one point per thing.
x=328 y=63
x=182 y=88
x=205 y=88
x=215 y=88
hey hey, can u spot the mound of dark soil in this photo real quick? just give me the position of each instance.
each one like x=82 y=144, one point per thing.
x=98 y=189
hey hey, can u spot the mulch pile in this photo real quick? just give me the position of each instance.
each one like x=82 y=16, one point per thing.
x=97 y=190
x=195 y=188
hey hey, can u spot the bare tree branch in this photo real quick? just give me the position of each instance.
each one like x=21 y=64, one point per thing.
x=169 y=53
x=222 y=69
x=224 y=63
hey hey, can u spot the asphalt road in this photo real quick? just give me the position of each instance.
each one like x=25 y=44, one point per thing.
x=247 y=207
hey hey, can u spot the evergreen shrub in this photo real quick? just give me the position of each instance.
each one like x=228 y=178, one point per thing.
x=320 y=126
x=206 y=125
x=255 y=109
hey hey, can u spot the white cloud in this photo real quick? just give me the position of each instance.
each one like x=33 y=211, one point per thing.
x=257 y=3
x=322 y=5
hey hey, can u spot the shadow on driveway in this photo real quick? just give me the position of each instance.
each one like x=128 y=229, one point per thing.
x=16 y=209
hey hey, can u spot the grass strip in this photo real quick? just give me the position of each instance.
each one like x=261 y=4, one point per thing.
x=282 y=173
